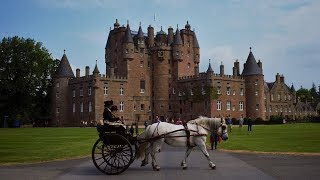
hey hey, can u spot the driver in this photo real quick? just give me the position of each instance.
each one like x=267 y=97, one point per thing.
x=109 y=112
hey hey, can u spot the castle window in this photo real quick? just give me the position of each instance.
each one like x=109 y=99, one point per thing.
x=73 y=93
x=276 y=109
x=219 y=105
x=90 y=106
x=234 y=92
x=219 y=90
x=257 y=107
x=81 y=107
x=150 y=108
x=127 y=51
x=58 y=110
x=142 y=107
x=233 y=108
x=141 y=63
x=81 y=92
x=121 y=91
x=142 y=86
x=279 y=97
x=289 y=97
x=256 y=93
x=173 y=91
x=241 y=91
x=89 y=91
x=57 y=95
x=121 y=106
x=241 y=105
x=256 y=83
x=265 y=109
x=134 y=107
x=289 y=109
x=280 y=108
x=177 y=53
x=271 y=97
x=228 y=90
x=189 y=65
x=180 y=94
x=285 y=97
x=105 y=90
x=203 y=91
x=191 y=92
x=228 y=105
x=58 y=85
x=73 y=107
x=270 y=109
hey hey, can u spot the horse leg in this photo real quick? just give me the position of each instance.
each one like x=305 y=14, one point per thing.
x=203 y=148
x=145 y=161
x=184 y=162
x=155 y=149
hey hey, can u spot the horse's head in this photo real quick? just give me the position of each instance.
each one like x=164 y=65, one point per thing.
x=222 y=131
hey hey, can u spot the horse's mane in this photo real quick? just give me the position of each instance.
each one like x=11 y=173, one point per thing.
x=212 y=123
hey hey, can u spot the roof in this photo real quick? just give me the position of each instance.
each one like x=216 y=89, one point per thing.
x=161 y=32
x=64 y=68
x=251 y=67
x=96 y=70
x=128 y=36
x=209 y=70
x=195 y=41
x=140 y=33
x=177 y=38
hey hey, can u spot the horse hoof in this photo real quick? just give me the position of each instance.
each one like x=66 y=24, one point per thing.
x=143 y=164
x=156 y=168
x=184 y=167
x=213 y=167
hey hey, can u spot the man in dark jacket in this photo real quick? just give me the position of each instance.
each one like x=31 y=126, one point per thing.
x=109 y=112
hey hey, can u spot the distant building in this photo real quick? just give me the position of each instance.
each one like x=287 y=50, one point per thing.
x=150 y=74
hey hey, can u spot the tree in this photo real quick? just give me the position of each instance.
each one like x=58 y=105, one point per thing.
x=304 y=94
x=315 y=96
x=25 y=72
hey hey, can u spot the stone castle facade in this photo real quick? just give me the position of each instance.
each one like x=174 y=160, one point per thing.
x=150 y=74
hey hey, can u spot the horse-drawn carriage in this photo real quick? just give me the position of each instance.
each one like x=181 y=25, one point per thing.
x=116 y=148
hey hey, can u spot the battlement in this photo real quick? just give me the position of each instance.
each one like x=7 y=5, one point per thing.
x=204 y=75
x=102 y=76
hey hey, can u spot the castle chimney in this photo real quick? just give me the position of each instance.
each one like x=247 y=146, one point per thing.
x=237 y=66
x=77 y=72
x=234 y=70
x=278 y=78
x=221 y=69
x=87 y=70
x=196 y=70
x=282 y=78
x=150 y=36
x=260 y=64
x=170 y=35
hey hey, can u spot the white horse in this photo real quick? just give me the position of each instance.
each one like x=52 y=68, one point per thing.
x=176 y=135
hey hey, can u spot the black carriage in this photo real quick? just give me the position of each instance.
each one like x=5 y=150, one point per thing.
x=114 y=150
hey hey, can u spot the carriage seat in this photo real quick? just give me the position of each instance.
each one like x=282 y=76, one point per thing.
x=111 y=127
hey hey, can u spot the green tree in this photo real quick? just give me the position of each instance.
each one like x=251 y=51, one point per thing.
x=315 y=96
x=25 y=72
x=304 y=94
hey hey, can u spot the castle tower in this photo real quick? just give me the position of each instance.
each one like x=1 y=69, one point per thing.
x=254 y=88
x=177 y=47
x=221 y=69
x=128 y=45
x=170 y=35
x=150 y=36
x=61 y=93
x=140 y=38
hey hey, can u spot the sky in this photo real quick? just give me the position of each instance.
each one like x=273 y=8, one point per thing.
x=283 y=34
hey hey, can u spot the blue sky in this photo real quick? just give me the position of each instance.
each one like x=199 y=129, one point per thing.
x=283 y=34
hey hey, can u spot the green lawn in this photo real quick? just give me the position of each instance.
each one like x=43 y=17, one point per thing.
x=18 y=145
x=27 y=145
x=275 y=138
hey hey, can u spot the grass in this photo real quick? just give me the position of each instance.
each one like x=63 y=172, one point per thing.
x=21 y=145
x=304 y=137
x=28 y=145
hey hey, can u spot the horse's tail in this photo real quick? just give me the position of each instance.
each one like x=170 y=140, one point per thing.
x=141 y=150
x=143 y=146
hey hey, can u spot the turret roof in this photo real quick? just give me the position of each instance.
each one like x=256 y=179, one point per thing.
x=195 y=41
x=64 y=68
x=96 y=70
x=177 y=38
x=209 y=70
x=128 y=36
x=251 y=66
x=140 y=33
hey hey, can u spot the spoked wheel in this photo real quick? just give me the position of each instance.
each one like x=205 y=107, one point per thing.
x=112 y=154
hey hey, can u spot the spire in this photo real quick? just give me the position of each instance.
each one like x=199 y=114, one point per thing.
x=140 y=33
x=116 y=24
x=161 y=31
x=187 y=26
x=177 y=38
x=96 y=70
x=251 y=67
x=209 y=70
x=195 y=40
x=64 y=68
x=128 y=36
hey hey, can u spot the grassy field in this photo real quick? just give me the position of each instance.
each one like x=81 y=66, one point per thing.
x=275 y=138
x=27 y=145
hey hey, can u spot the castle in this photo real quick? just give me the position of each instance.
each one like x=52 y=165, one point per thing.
x=150 y=74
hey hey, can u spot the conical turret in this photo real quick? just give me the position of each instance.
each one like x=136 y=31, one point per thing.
x=64 y=69
x=140 y=36
x=177 y=46
x=210 y=70
x=251 y=67
x=128 y=52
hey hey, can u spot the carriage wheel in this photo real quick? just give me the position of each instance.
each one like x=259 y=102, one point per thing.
x=112 y=154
